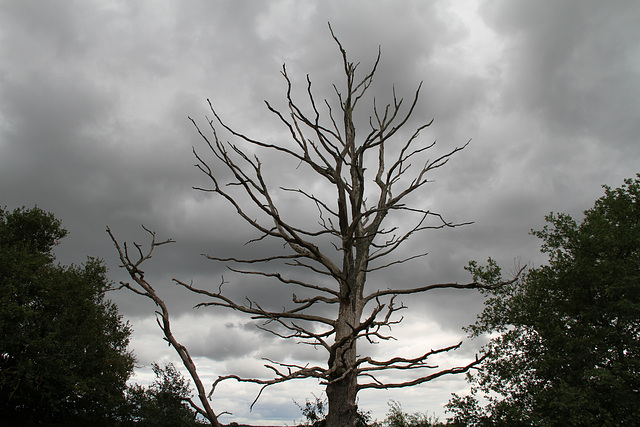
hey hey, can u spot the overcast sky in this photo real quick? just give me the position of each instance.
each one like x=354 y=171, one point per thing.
x=94 y=105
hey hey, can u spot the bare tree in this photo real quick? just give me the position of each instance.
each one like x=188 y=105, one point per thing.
x=353 y=237
x=142 y=287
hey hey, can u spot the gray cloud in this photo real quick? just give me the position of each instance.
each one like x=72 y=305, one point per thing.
x=93 y=127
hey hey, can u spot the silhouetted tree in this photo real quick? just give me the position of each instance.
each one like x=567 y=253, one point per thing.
x=166 y=402
x=567 y=350
x=63 y=346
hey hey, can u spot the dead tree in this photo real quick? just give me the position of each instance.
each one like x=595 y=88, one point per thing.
x=370 y=176
x=132 y=262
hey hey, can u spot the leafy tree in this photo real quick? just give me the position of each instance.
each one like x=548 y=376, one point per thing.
x=568 y=349
x=396 y=417
x=362 y=184
x=63 y=347
x=468 y=412
x=164 y=402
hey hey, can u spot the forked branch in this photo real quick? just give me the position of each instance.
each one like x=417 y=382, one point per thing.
x=144 y=288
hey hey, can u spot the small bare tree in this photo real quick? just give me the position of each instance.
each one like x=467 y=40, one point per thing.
x=355 y=223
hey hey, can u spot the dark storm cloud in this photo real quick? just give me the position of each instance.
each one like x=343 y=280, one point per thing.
x=572 y=64
x=93 y=121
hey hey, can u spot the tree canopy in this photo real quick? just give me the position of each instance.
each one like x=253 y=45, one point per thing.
x=63 y=346
x=568 y=349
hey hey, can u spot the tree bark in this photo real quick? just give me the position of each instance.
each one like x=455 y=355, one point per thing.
x=342 y=402
x=343 y=381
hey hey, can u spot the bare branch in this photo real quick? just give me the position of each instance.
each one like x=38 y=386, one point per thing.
x=293 y=372
x=148 y=291
x=450 y=371
x=251 y=307
x=421 y=289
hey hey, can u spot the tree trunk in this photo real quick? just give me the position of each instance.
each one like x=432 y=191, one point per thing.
x=342 y=394
x=342 y=402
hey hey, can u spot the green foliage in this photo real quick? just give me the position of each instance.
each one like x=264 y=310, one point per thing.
x=467 y=411
x=164 y=402
x=397 y=418
x=30 y=232
x=568 y=349
x=314 y=413
x=63 y=347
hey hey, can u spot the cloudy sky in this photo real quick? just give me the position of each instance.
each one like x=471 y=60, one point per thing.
x=96 y=95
